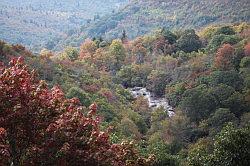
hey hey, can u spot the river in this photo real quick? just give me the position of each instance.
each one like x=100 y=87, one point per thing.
x=153 y=102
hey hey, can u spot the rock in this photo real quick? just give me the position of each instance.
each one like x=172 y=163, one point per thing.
x=153 y=102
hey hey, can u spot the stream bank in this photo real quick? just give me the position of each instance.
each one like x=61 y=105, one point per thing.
x=153 y=101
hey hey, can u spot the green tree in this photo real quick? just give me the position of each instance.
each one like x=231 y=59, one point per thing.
x=71 y=53
x=226 y=30
x=157 y=116
x=106 y=110
x=189 y=41
x=230 y=78
x=117 y=51
x=180 y=131
x=174 y=93
x=163 y=154
x=245 y=119
x=232 y=147
x=157 y=81
x=133 y=75
x=169 y=36
x=199 y=153
x=245 y=62
x=218 y=120
x=219 y=39
x=231 y=39
x=236 y=103
x=222 y=93
x=216 y=42
x=129 y=128
x=80 y=94
x=125 y=75
x=198 y=103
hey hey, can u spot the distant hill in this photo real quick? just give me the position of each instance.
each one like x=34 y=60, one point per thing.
x=142 y=16
x=39 y=23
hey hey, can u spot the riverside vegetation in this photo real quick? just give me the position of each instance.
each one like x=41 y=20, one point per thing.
x=204 y=75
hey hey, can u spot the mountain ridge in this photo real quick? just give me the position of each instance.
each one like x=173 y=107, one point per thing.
x=38 y=24
x=141 y=17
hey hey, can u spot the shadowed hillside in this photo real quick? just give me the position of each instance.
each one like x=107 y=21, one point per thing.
x=143 y=16
x=38 y=24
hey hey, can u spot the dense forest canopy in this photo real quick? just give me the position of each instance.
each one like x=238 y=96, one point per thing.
x=175 y=93
x=204 y=76
x=142 y=16
x=56 y=24
x=38 y=24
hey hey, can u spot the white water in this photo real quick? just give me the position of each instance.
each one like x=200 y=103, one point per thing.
x=153 y=102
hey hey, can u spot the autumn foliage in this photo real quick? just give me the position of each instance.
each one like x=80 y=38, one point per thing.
x=4 y=147
x=39 y=126
x=247 y=49
x=88 y=48
x=223 y=57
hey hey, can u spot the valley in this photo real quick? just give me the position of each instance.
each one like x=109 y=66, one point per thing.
x=124 y=83
x=153 y=102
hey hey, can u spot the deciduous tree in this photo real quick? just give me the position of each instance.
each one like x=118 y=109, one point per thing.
x=224 y=57
x=39 y=126
x=189 y=41
x=247 y=49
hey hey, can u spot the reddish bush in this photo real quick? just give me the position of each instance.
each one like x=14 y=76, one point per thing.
x=42 y=127
x=4 y=148
x=224 y=57
x=247 y=49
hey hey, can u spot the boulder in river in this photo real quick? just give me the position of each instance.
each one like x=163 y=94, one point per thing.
x=153 y=101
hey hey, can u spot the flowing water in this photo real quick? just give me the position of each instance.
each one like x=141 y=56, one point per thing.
x=153 y=102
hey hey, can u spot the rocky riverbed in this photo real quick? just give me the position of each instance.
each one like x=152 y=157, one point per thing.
x=153 y=102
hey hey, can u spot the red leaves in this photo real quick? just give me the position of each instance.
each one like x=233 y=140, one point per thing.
x=92 y=108
x=16 y=61
x=57 y=94
x=4 y=148
x=88 y=48
x=26 y=107
x=247 y=49
x=224 y=57
x=126 y=152
x=1 y=67
x=107 y=94
x=45 y=128
x=77 y=139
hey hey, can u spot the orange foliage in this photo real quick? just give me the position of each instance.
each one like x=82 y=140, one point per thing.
x=107 y=94
x=140 y=105
x=93 y=88
x=162 y=46
x=39 y=126
x=140 y=52
x=87 y=49
x=247 y=49
x=224 y=57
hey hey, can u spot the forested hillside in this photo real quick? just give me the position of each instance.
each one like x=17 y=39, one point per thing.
x=41 y=23
x=204 y=75
x=142 y=16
